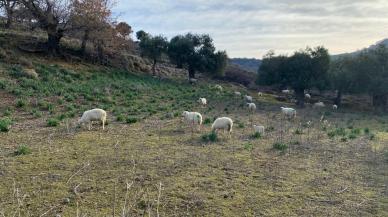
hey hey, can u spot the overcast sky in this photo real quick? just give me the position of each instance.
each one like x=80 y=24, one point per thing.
x=250 y=28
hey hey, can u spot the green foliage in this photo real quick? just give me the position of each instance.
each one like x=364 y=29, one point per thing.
x=52 y=122
x=22 y=150
x=5 y=124
x=207 y=121
x=248 y=146
x=337 y=132
x=256 y=135
x=20 y=103
x=131 y=120
x=280 y=146
x=303 y=70
x=366 y=131
x=197 y=53
x=211 y=137
x=120 y=118
x=153 y=47
x=298 y=131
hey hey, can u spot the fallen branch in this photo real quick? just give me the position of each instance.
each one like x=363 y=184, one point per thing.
x=86 y=165
x=339 y=192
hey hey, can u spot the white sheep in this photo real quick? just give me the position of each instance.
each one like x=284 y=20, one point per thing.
x=248 y=98
x=237 y=93
x=193 y=81
x=260 y=94
x=319 y=105
x=93 y=115
x=251 y=107
x=288 y=112
x=307 y=96
x=224 y=123
x=202 y=101
x=194 y=118
x=335 y=107
x=218 y=87
x=259 y=129
x=286 y=91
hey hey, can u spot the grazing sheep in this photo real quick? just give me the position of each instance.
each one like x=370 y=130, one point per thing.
x=202 y=101
x=237 y=93
x=93 y=115
x=259 y=129
x=248 y=98
x=251 y=107
x=260 y=94
x=288 y=112
x=194 y=118
x=319 y=105
x=218 y=87
x=335 y=107
x=193 y=81
x=307 y=96
x=286 y=91
x=224 y=123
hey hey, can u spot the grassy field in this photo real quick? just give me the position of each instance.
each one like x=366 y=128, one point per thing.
x=146 y=163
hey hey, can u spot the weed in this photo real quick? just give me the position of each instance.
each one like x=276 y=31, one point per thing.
x=256 y=135
x=20 y=103
x=5 y=124
x=52 y=122
x=22 y=150
x=131 y=120
x=120 y=118
x=207 y=121
x=366 y=131
x=280 y=146
x=298 y=131
x=211 y=137
x=248 y=146
x=344 y=139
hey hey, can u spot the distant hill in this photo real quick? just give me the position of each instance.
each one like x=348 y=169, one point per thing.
x=248 y=64
x=371 y=47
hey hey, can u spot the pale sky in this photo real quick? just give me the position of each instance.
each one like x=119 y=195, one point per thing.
x=250 y=28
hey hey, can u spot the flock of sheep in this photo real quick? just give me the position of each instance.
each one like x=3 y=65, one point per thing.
x=196 y=119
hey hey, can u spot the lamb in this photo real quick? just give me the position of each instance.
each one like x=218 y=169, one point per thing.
x=218 y=87
x=248 y=98
x=202 y=101
x=335 y=107
x=259 y=129
x=307 y=96
x=288 y=112
x=251 y=107
x=319 y=105
x=93 y=115
x=260 y=94
x=237 y=93
x=194 y=118
x=224 y=123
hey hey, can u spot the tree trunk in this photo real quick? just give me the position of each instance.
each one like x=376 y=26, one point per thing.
x=84 y=41
x=100 y=51
x=380 y=102
x=54 y=37
x=338 y=98
x=191 y=72
x=154 y=67
x=9 y=22
x=299 y=93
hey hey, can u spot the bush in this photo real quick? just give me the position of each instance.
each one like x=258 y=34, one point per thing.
x=131 y=120
x=366 y=131
x=22 y=150
x=52 y=122
x=280 y=146
x=120 y=118
x=20 y=103
x=211 y=137
x=248 y=146
x=207 y=121
x=256 y=135
x=298 y=132
x=5 y=124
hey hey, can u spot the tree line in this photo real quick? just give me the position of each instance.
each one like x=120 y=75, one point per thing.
x=92 y=23
x=313 y=68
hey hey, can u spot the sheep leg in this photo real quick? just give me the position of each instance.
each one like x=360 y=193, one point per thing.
x=103 y=125
x=90 y=125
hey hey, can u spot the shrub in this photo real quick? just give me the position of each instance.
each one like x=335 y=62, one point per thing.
x=352 y=136
x=22 y=150
x=52 y=122
x=344 y=139
x=131 y=120
x=20 y=103
x=280 y=146
x=5 y=124
x=256 y=135
x=120 y=118
x=248 y=146
x=298 y=132
x=211 y=137
x=240 y=125
x=356 y=131
x=366 y=131
x=207 y=121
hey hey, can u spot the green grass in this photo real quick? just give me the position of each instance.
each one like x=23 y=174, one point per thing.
x=5 y=124
x=280 y=146
x=22 y=150
x=210 y=137
x=52 y=122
